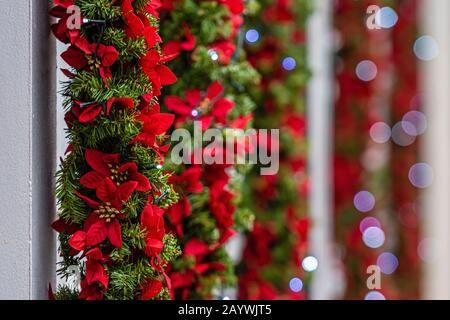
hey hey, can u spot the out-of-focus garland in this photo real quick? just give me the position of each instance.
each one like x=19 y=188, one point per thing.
x=359 y=163
x=278 y=242
x=112 y=191
x=406 y=97
x=214 y=79
x=351 y=120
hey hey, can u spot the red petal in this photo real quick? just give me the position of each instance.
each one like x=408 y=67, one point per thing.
x=177 y=105
x=166 y=76
x=126 y=189
x=95 y=272
x=143 y=184
x=95 y=254
x=90 y=113
x=91 y=180
x=214 y=90
x=122 y=102
x=161 y=122
x=74 y=58
x=91 y=203
x=195 y=247
x=78 y=240
x=59 y=225
x=97 y=233
x=131 y=167
x=151 y=289
x=151 y=37
x=105 y=73
x=153 y=247
x=189 y=44
x=149 y=61
x=96 y=159
x=115 y=233
x=106 y=191
x=108 y=54
x=170 y=51
x=221 y=109
x=193 y=97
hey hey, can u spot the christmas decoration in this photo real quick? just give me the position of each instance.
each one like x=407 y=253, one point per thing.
x=271 y=266
x=112 y=187
x=211 y=91
x=377 y=80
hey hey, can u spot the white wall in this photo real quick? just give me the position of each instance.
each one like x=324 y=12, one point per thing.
x=27 y=134
x=436 y=150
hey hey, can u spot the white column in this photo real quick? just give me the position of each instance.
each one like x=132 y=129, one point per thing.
x=26 y=150
x=436 y=150
x=326 y=282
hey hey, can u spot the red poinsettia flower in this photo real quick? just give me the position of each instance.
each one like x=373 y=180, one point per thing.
x=103 y=222
x=154 y=125
x=187 y=44
x=153 y=223
x=108 y=166
x=159 y=74
x=199 y=250
x=83 y=55
x=206 y=108
x=138 y=25
x=189 y=180
x=87 y=112
x=151 y=289
x=220 y=204
x=61 y=28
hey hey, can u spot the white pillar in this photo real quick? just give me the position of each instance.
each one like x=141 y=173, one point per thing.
x=325 y=283
x=436 y=150
x=26 y=150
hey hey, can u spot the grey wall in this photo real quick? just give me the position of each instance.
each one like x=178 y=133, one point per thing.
x=27 y=131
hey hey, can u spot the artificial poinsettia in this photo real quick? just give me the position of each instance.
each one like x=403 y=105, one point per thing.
x=186 y=183
x=221 y=205
x=151 y=289
x=61 y=29
x=154 y=124
x=108 y=166
x=156 y=71
x=103 y=222
x=87 y=112
x=138 y=26
x=153 y=224
x=187 y=44
x=205 y=107
x=83 y=55
x=199 y=251
x=189 y=180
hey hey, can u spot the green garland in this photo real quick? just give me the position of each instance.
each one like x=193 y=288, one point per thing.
x=272 y=257
x=120 y=247
x=212 y=53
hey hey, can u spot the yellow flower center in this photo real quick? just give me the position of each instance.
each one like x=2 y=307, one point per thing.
x=107 y=212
